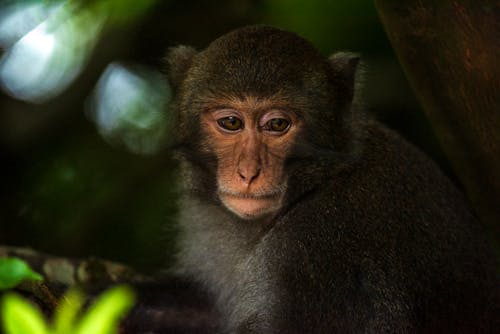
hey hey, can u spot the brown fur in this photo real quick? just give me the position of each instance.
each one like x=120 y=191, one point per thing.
x=370 y=238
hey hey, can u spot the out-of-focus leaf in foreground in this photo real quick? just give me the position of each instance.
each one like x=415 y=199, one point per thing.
x=21 y=317
x=13 y=271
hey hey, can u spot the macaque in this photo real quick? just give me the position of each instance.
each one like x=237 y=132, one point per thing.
x=301 y=214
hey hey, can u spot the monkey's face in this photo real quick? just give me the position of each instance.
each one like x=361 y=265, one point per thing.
x=249 y=109
x=250 y=139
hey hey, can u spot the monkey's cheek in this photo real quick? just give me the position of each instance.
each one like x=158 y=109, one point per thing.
x=251 y=208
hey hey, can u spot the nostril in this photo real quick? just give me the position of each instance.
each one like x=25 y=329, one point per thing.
x=257 y=173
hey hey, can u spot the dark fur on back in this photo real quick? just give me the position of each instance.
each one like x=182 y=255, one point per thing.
x=372 y=236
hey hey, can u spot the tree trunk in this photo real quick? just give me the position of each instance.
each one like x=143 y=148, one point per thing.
x=450 y=52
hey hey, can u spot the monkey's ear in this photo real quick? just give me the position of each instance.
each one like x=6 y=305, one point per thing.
x=178 y=59
x=345 y=65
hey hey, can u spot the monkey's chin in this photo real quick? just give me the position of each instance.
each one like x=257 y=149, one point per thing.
x=250 y=207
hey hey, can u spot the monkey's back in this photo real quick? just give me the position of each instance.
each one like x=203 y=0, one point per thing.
x=387 y=241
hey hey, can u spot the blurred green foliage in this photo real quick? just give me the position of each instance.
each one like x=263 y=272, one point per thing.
x=330 y=25
x=13 y=271
x=79 y=186
x=21 y=317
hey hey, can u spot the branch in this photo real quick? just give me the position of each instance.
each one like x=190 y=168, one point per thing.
x=166 y=304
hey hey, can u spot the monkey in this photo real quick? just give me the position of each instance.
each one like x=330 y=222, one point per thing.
x=300 y=213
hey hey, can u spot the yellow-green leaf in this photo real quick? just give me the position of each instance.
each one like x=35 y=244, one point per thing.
x=21 y=317
x=104 y=314
x=66 y=313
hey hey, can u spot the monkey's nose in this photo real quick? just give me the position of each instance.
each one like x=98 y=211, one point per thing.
x=249 y=174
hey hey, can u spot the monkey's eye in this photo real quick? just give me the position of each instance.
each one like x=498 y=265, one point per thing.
x=278 y=125
x=230 y=123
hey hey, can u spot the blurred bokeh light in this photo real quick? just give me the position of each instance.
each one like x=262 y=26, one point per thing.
x=17 y=19
x=48 y=58
x=129 y=107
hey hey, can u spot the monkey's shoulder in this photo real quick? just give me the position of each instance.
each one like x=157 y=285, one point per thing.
x=389 y=172
x=387 y=155
x=391 y=188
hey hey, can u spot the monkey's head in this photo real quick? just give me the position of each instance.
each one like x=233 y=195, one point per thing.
x=249 y=105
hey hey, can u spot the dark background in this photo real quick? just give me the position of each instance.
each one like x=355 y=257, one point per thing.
x=66 y=190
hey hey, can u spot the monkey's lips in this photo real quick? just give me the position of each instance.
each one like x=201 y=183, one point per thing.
x=250 y=206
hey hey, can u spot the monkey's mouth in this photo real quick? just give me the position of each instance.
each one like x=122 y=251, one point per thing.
x=251 y=206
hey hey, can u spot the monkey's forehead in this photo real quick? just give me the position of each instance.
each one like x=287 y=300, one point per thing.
x=261 y=45
x=261 y=36
x=259 y=60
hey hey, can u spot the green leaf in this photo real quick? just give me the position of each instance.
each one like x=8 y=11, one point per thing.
x=21 y=317
x=123 y=11
x=103 y=316
x=64 y=319
x=13 y=271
